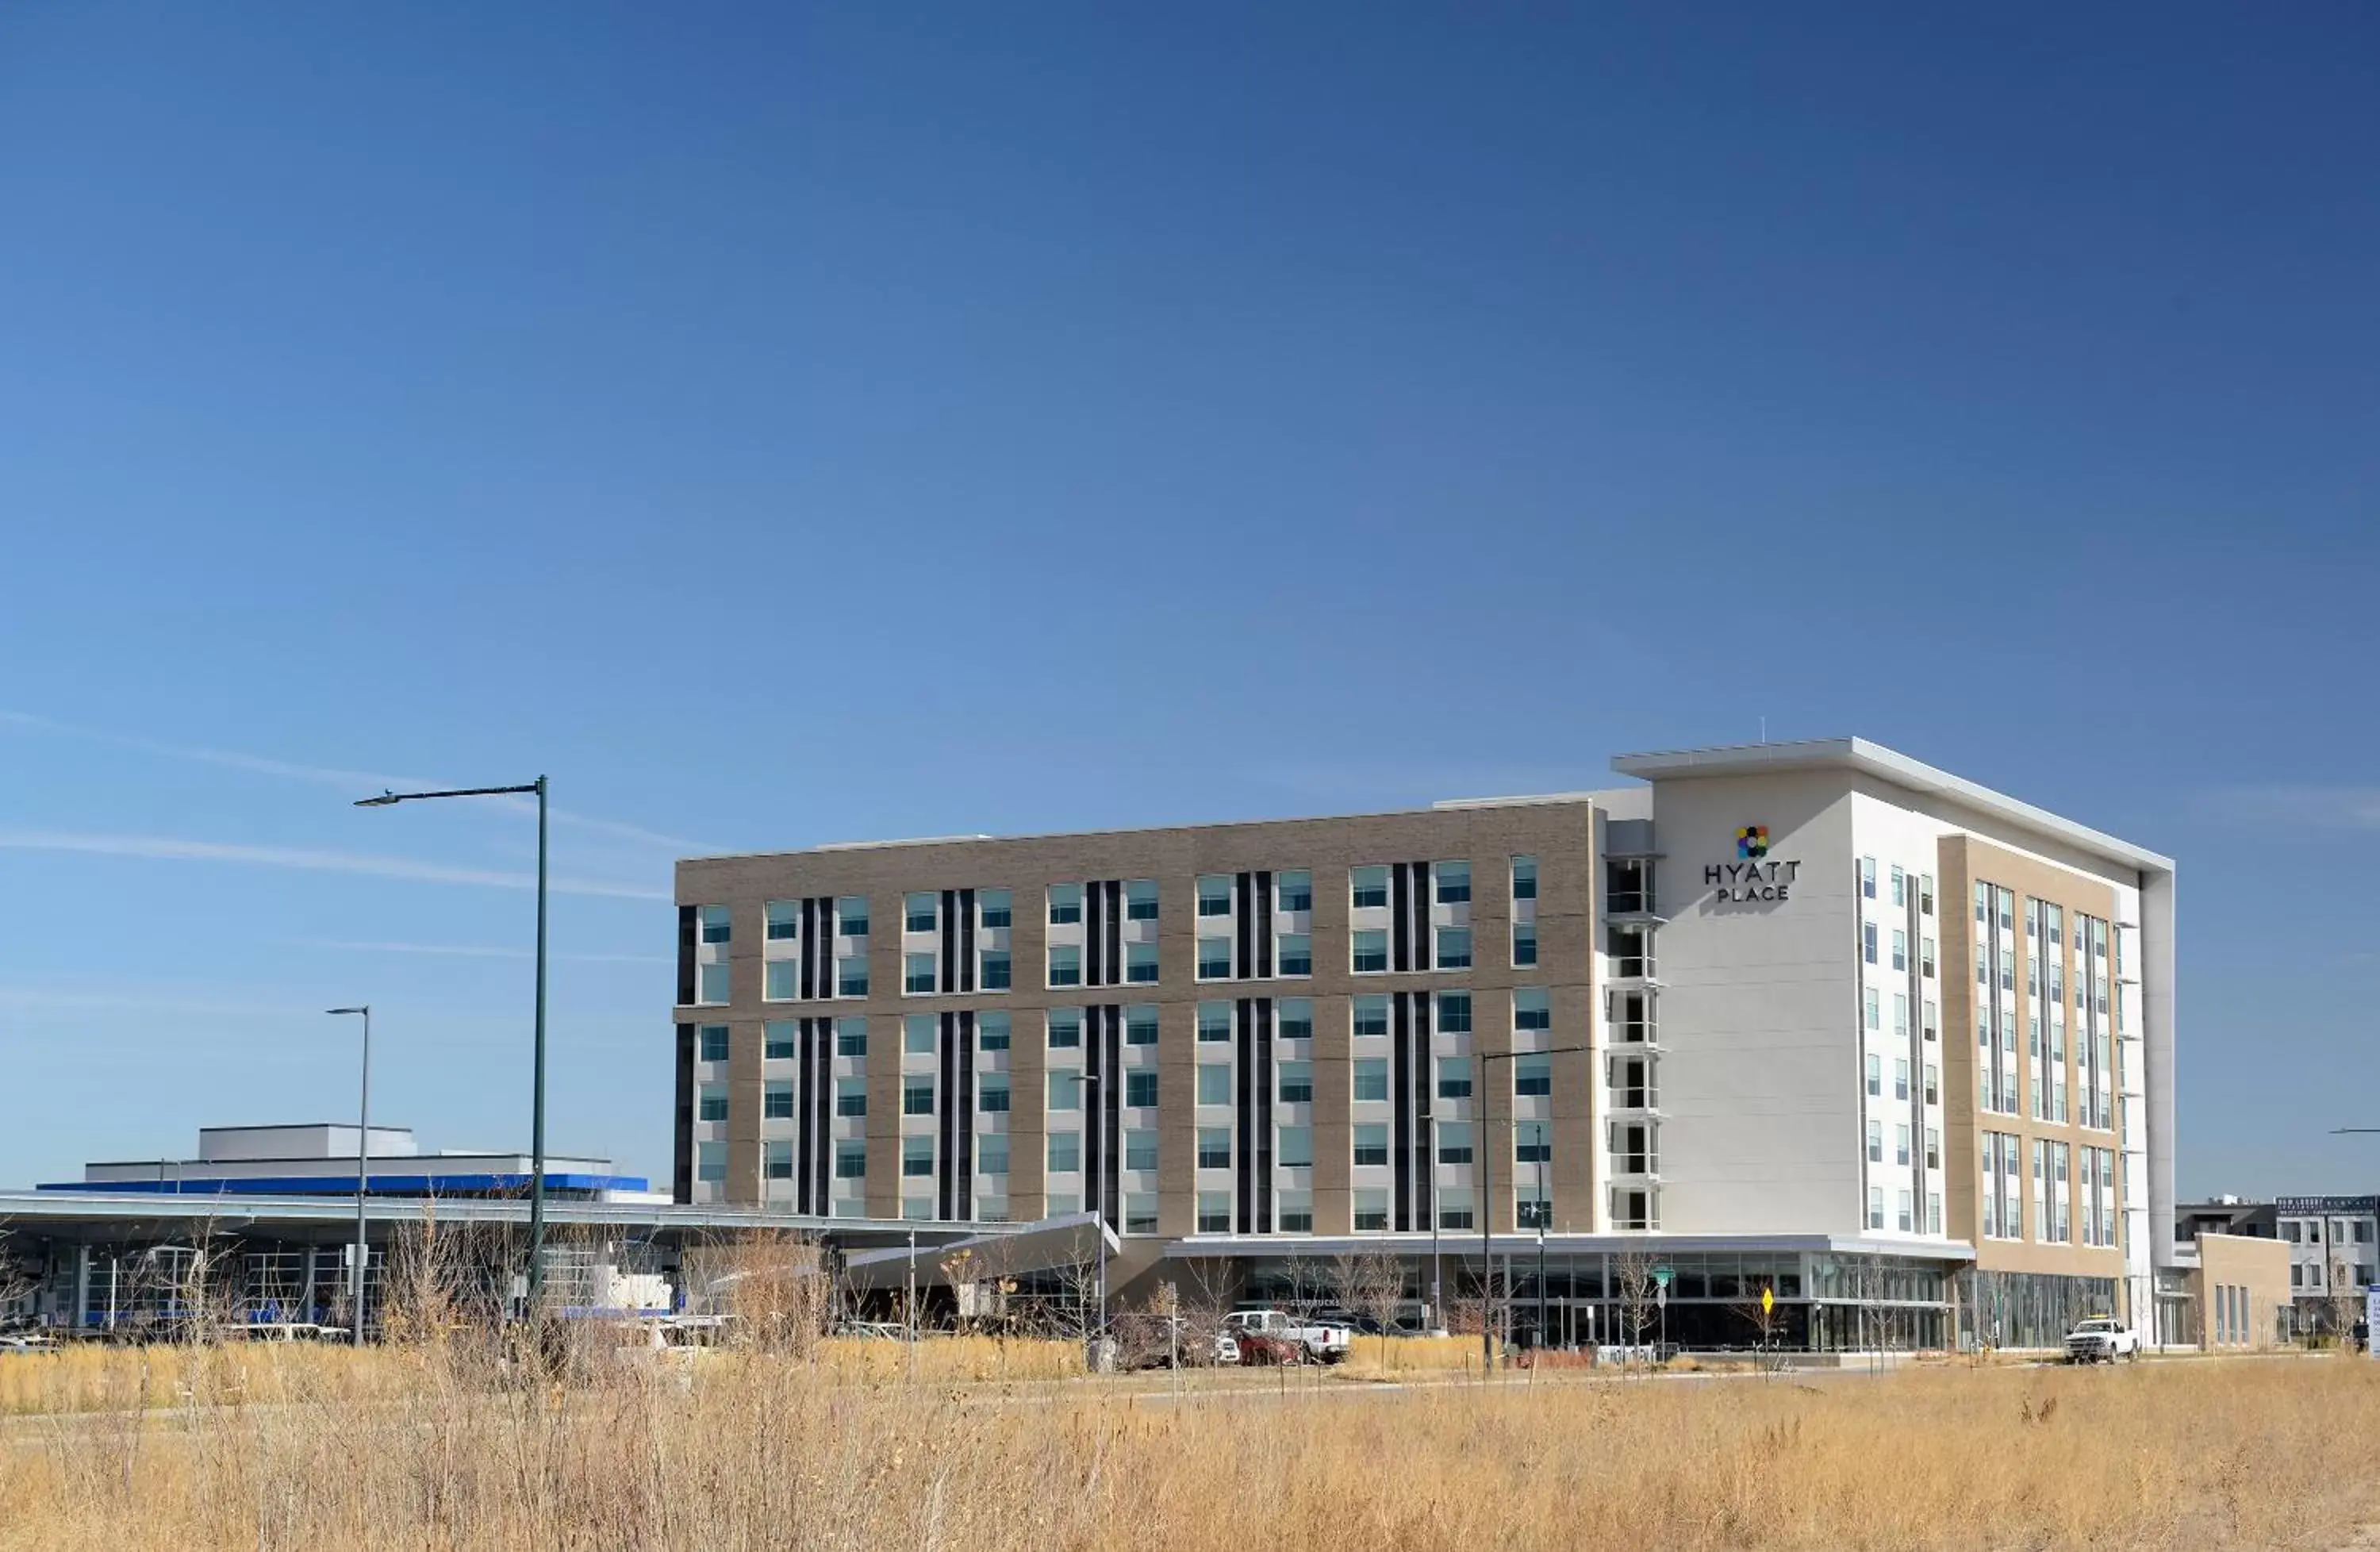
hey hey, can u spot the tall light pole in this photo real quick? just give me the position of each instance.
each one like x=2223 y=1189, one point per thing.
x=537 y=1102
x=363 y=1138
x=1486 y=1155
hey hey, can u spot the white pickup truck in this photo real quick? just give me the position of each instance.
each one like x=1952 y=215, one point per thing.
x=2102 y=1341
x=1271 y=1336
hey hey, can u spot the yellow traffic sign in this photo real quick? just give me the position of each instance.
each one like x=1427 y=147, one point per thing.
x=1768 y=1300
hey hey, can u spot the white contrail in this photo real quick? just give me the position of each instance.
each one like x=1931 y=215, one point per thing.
x=170 y=848
x=355 y=783
x=470 y=951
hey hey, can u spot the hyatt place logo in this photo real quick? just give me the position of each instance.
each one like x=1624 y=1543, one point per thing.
x=1753 y=875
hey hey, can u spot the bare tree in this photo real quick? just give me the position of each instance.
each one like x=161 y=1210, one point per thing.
x=18 y=1285
x=1632 y=1277
x=1767 y=1321
x=1371 y=1281
x=1310 y=1283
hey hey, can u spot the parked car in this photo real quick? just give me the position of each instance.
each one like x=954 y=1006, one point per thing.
x=1271 y=1336
x=1148 y=1343
x=2102 y=1341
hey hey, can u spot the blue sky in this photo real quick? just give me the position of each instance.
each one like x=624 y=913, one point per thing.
x=786 y=424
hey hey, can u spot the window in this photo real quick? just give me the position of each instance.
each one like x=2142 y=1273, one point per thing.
x=780 y=981
x=851 y=1036
x=777 y=1101
x=1295 y=1150
x=1453 y=879
x=850 y=1160
x=1926 y=894
x=1215 y=895
x=1296 y=1213
x=1532 y=1076
x=1065 y=1153
x=1925 y=957
x=710 y=1161
x=995 y=977
x=1867 y=941
x=1899 y=886
x=1214 y=1147
x=1297 y=1083
x=1455 y=1012
x=1868 y=1013
x=992 y=1032
x=1294 y=891
x=1214 y=959
x=851 y=915
x=711 y=1102
x=1900 y=949
x=1524 y=878
x=1296 y=954
x=1874 y=1199
x=1061 y=1204
x=1140 y=1024
x=917 y=1096
x=1066 y=1090
x=1140 y=899
x=1140 y=963
x=1530 y=1008
x=1901 y=1144
x=1454 y=948
x=1455 y=1209
x=717 y=924
x=1900 y=1077
x=1065 y=904
x=1933 y=1198
x=1066 y=1028
x=1294 y=1018
x=1630 y=951
x=1876 y=1074
x=1867 y=880
x=851 y=976
x=1367 y=888
x=1214 y=1212
x=917 y=1156
x=993 y=907
x=777 y=1042
x=1932 y=1148
x=1140 y=1090
x=918 y=1034
x=1140 y=1212
x=1631 y=1082
x=1140 y=1148
x=919 y=911
x=1214 y=1083
x=1628 y=886
x=1371 y=949
x=851 y=1097
x=1371 y=1212
x=1065 y=965
x=1454 y=1142
x=1900 y=1015
x=1455 y=1077
x=918 y=973
x=1930 y=1024
x=1524 y=944
x=1371 y=1143
x=1904 y=1219
x=1933 y=1083
x=782 y=920
x=1214 y=1023
x=1370 y=1016
x=711 y=985
x=711 y=1042
x=1371 y=1078
x=992 y=1093
x=1875 y=1142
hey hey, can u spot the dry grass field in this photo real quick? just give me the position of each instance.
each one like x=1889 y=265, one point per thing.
x=317 y=1448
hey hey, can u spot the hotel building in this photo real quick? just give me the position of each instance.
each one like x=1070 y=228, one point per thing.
x=1812 y=1017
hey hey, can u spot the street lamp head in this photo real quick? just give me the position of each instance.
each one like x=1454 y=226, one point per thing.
x=383 y=801
x=366 y=1009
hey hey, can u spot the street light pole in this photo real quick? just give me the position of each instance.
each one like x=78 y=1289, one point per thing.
x=537 y=1101
x=1486 y=1155
x=363 y=1139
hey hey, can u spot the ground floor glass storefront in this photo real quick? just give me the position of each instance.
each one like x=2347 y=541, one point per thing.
x=1820 y=1302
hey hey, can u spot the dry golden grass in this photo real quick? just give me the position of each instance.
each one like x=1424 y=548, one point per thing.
x=754 y=1451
